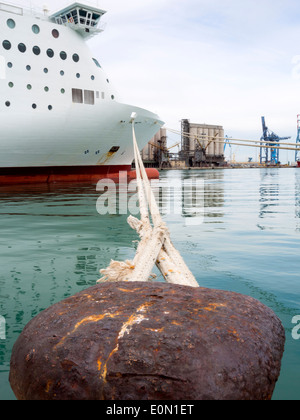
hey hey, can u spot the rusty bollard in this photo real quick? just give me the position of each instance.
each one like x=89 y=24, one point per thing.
x=149 y=341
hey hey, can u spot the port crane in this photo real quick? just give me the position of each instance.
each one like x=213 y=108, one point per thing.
x=164 y=149
x=270 y=142
x=202 y=147
x=165 y=152
x=227 y=142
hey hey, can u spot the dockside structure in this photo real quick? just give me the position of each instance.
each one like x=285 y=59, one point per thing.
x=201 y=144
x=155 y=154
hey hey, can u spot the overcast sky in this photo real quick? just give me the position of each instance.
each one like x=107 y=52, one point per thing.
x=225 y=62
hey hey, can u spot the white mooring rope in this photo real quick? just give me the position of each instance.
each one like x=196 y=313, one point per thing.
x=155 y=246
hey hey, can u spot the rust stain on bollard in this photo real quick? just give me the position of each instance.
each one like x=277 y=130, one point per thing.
x=126 y=328
x=155 y=341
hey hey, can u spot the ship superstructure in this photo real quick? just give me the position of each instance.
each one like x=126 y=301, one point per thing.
x=60 y=116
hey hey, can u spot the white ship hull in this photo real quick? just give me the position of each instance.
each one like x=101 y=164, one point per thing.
x=46 y=132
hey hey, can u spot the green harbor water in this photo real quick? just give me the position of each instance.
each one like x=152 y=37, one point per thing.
x=246 y=239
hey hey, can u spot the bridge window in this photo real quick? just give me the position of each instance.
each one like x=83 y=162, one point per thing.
x=89 y=97
x=78 y=17
x=77 y=96
x=80 y=97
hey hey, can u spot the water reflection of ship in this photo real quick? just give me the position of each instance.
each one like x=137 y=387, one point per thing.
x=297 y=200
x=269 y=194
x=204 y=198
x=214 y=195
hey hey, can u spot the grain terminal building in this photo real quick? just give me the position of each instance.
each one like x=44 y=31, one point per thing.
x=201 y=144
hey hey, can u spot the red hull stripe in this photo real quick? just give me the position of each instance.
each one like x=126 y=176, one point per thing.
x=37 y=175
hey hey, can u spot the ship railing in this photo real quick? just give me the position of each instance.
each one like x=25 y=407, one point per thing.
x=11 y=8
x=21 y=9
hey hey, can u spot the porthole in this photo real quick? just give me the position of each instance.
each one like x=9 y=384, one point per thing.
x=6 y=45
x=35 y=29
x=11 y=23
x=62 y=73
x=7 y=103
x=50 y=107
x=107 y=80
x=112 y=97
x=76 y=58
x=9 y=65
x=22 y=47
x=78 y=75
x=46 y=70
x=46 y=89
x=34 y=106
x=50 y=53
x=93 y=77
x=28 y=68
x=29 y=87
x=10 y=84
x=55 y=33
x=62 y=91
x=36 y=50
x=63 y=55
